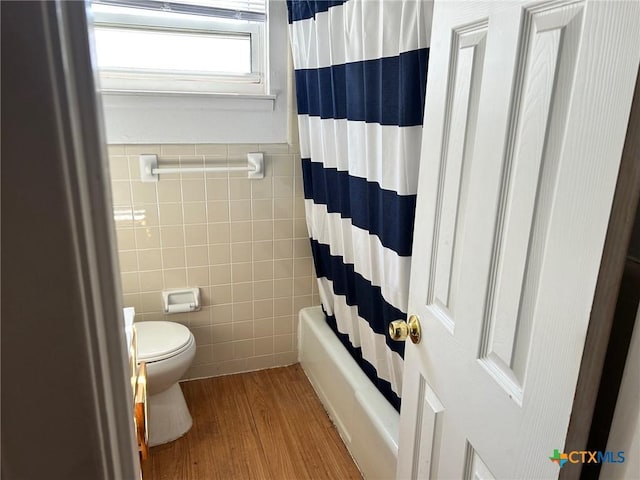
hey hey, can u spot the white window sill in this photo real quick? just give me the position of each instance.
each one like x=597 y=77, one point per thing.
x=177 y=117
x=234 y=100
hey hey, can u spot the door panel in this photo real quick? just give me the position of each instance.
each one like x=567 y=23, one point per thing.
x=526 y=191
x=524 y=126
x=465 y=74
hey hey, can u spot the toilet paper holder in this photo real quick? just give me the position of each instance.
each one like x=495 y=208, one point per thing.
x=181 y=300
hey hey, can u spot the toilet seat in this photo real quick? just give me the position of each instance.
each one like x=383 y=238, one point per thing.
x=161 y=340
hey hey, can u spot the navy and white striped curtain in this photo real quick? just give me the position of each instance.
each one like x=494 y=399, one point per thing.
x=360 y=71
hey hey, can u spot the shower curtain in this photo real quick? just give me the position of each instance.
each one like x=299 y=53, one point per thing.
x=360 y=72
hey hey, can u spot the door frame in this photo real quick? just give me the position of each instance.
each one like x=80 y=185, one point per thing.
x=623 y=211
x=67 y=402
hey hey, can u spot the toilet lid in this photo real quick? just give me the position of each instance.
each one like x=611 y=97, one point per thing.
x=160 y=340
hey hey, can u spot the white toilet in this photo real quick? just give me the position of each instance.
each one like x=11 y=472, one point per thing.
x=168 y=349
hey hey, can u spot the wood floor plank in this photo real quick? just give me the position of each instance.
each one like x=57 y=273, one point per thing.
x=268 y=417
x=260 y=425
x=307 y=420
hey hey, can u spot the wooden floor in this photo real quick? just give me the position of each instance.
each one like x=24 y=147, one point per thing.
x=260 y=425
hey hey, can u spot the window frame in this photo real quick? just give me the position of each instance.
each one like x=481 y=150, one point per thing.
x=129 y=80
x=134 y=117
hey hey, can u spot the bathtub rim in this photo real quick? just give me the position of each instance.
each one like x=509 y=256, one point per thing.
x=364 y=401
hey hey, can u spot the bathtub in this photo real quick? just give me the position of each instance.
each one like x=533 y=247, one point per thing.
x=367 y=423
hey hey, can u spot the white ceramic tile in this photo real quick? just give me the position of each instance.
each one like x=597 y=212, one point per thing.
x=240 y=210
x=174 y=278
x=283 y=268
x=217 y=189
x=221 y=294
x=282 y=306
x=263 y=346
x=283 y=325
x=282 y=229
x=172 y=236
x=223 y=351
x=202 y=335
x=241 y=252
x=200 y=318
x=147 y=237
x=241 y=231
x=273 y=148
x=126 y=239
x=242 y=330
x=240 y=188
x=145 y=215
x=196 y=234
x=221 y=314
x=151 y=281
x=222 y=333
x=142 y=149
x=198 y=276
x=219 y=254
x=130 y=282
x=241 y=272
x=151 y=302
x=283 y=343
x=282 y=187
x=238 y=151
x=213 y=149
x=119 y=167
x=283 y=287
x=262 y=209
x=178 y=149
x=243 y=349
x=204 y=354
x=262 y=251
x=218 y=212
x=195 y=212
x=262 y=189
x=221 y=233
x=263 y=290
x=263 y=327
x=170 y=214
x=115 y=149
x=173 y=257
x=263 y=309
x=193 y=190
x=220 y=274
x=263 y=270
x=121 y=191
x=197 y=256
x=283 y=208
x=242 y=312
x=144 y=192
x=149 y=259
x=241 y=292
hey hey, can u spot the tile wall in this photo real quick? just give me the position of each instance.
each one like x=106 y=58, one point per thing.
x=243 y=242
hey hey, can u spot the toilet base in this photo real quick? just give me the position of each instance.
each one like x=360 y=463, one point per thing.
x=169 y=417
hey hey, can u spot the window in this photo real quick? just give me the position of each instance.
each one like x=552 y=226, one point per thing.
x=188 y=46
x=182 y=90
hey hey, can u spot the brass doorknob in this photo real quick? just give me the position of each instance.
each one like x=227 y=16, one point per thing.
x=399 y=330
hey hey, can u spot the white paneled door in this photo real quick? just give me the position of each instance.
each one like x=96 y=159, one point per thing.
x=526 y=113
